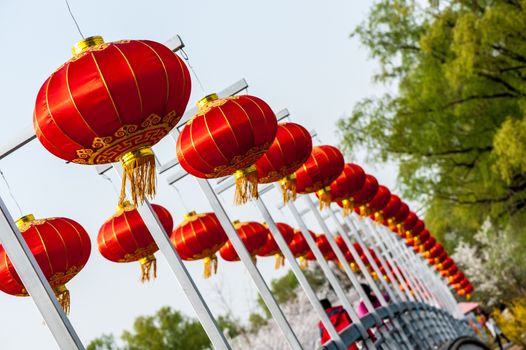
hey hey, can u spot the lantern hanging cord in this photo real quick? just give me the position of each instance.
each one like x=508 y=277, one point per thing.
x=187 y=59
x=74 y=20
x=11 y=192
x=181 y=199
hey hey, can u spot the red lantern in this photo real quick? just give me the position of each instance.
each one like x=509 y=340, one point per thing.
x=408 y=224
x=459 y=276
x=227 y=136
x=402 y=214
x=360 y=198
x=390 y=210
x=290 y=149
x=323 y=167
x=199 y=236
x=325 y=248
x=125 y=238
x=416 y=229
x=424 y=236
x=350 y=181
x=299 y=247
x=61 y=248
x=254 y=236
x=112 y=102
x=271 y=247
x=380 y=200
x=427 y=245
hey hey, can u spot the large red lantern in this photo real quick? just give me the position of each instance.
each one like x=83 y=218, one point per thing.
x=290 y=149
x=227 y=136
x=254 y=236
x=125 y=238
x=61 y=248
x=112 y=102
x=323 y=167
x=199 y=236
x=360 y=198
x=350 y=181
x=271 y=248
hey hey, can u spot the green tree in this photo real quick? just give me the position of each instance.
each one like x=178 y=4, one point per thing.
x=456 y=125
x=168 y=329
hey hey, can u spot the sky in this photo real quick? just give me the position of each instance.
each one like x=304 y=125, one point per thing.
x=294 y=54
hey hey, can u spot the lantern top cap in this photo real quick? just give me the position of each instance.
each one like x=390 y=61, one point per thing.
x=190 y=214
x=26 y=219
x=124 y=204
x=208 y=98
x=236 y=223
x=86 y=43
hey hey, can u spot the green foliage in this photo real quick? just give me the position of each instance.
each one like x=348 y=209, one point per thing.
x=105 y=342
x=457 y=124
x=167 y=329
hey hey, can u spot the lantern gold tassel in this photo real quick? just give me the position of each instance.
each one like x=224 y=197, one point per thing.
x=148 y=264
x=246 y=185
x=347 y=206
x=304 y=263
x=288 y=187
x=210 y=266
x=139 y=169
x=62 y=294
x=325 y=197
x=280 y=261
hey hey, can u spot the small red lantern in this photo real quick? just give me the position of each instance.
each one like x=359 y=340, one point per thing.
x=427 y=245
x=408 y=224
x=112 y=102
x=459 y=276
x=61 y=248
x=254 y=236
x=390 y=210
x=402 y=214
x=360 y=198
x=300 y=248
x=290 y=149
x=200 y=236
x=323 y=167
x=380 y=200
x=125 y=238
x=350 y=181
x=271 y=247
x=227 y=136
x=325 y=248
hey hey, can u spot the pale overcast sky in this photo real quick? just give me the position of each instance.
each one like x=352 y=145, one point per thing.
x=294 y=54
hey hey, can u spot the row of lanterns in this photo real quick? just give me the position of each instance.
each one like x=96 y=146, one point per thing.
x=113 y=101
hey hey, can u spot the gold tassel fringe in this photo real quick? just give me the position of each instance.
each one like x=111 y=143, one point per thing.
x=139 y=169
x=280 y=261
x=210 y=266
x=304 y=263
x=246 y=185
x=288 y=188
x=63 y=297
x=148 y=264
x=325 y=197
x=348 y=207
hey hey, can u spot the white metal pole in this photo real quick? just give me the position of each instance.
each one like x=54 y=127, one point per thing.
x=304 y=283
x=246 y=259
x=162 y=239
x=328 y=273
